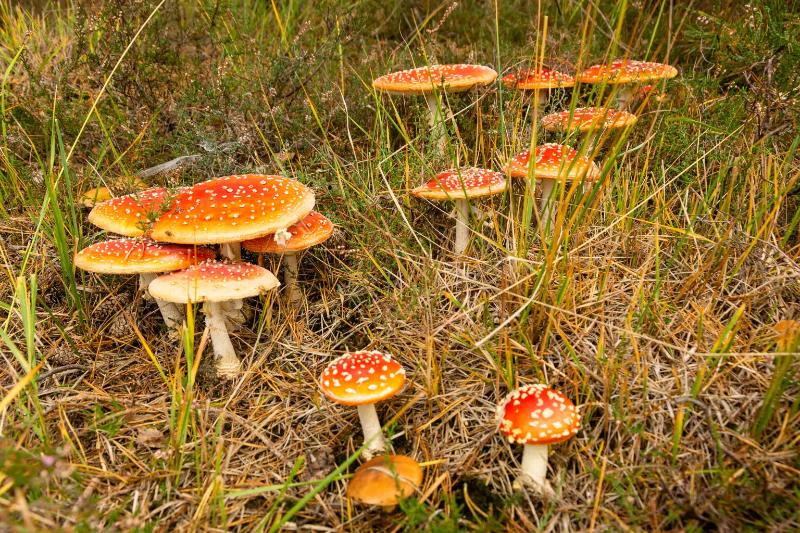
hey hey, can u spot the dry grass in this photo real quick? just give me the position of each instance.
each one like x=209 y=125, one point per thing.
x=653 y=306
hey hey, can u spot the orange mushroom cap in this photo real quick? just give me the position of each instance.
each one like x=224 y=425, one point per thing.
x=129 y=215
x=314 y=229
x=527 y=79
x=213 y=281
x=553 y=161
x=588 y=118
x=422 y=80
x=233 y=209
x=361 y=378
x=537 y=414
x=138 y=256
x=385 y=480
x=627 y=71
x=462 y=183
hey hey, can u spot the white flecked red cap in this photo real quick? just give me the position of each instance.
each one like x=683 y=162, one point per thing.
x=314 y=229
x=537 y=414
x=462 y=183
x=421 y=80
x=627 y=71
x=361 y=378
x=131 y=214
x=139 y=256
x=213 y=281
x=588 y=118
x=553 y=161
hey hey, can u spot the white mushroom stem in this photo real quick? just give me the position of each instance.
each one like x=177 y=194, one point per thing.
x=436 y=119
x=290 y=278
x=173 y=318
x=547 y=205
x=373 y=434
x=625 y=96
x=233 y=308
x=462 y=225
x=228 y=365
x=534 y=468
x=231 y=250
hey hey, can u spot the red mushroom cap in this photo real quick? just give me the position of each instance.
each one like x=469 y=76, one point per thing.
x=545 y=78
x=314 y=229
x=129 y=215
x=553 y=161
x=537 y=414
x=422 y=80
x=627 y=71
x=361 y=378
x=462 y=183
x=138 y=256
x=588 y=118
x=213 y=281
x=233 y=209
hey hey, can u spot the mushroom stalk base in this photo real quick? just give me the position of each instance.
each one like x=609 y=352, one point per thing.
x=290 y=278
x=373 y=435
x=436 y=120
x=547 y=205
x=228 y=365
x=462 y=226
x=173 y=318
x=534 y=469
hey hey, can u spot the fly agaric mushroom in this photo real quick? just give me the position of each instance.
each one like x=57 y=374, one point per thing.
x=131 y=214
x=143 y=257
x=461 y=185
x=540 y=81
x=626 y=71
x=363 y=379
x=553 y=163
x=385 y=481
x=428 y=81
x=593 y=121
x=314 y=229
x=212 y=283
x=537 y=416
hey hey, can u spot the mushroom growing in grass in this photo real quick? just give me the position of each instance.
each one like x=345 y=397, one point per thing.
x=213 y=283
x=592 y=122
x=429 y=81
x=363 y=379
x=627 y=72
x=540 y=82
x=537 y=416
x=145 y=258
x=314 y=229
x=461 y=185
x=130 y=215
x=385 y=481
x=553 y=163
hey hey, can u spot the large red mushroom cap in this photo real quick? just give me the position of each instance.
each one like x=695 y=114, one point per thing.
x=139 y=256
x=130 y=215
x=530 y=79
x=627 y=71
x=462 y=183
x=233 y=209
x=422 y=80
x=588 y=118
x=314 y=229
x=361 y=378
x=553 y=161
x=537 y=414
x=213 y=281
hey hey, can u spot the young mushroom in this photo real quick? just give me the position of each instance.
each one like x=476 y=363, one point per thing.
x=428 y=81
x=145 y=258
x=629 y=73
x=385 y=481
x=363 y=379
x=314 y=229
x=213 y=283
x=540 y=82
x=460 y=185
x=593 y=122
x=553 y=163
x=537 y=416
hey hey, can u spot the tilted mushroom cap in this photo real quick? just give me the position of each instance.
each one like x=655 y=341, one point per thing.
x=385 y=480
x=462 y=183
x=553 y=161
x=528 y=79
x=361 y=378
x=627 y=71
x=537 y=414
x=129 y=215
x=139 y=256
x=93 y=197
x=422 y=80
x=213 y=281
x=314 y=229
x=588 y=118
x=233 y=209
